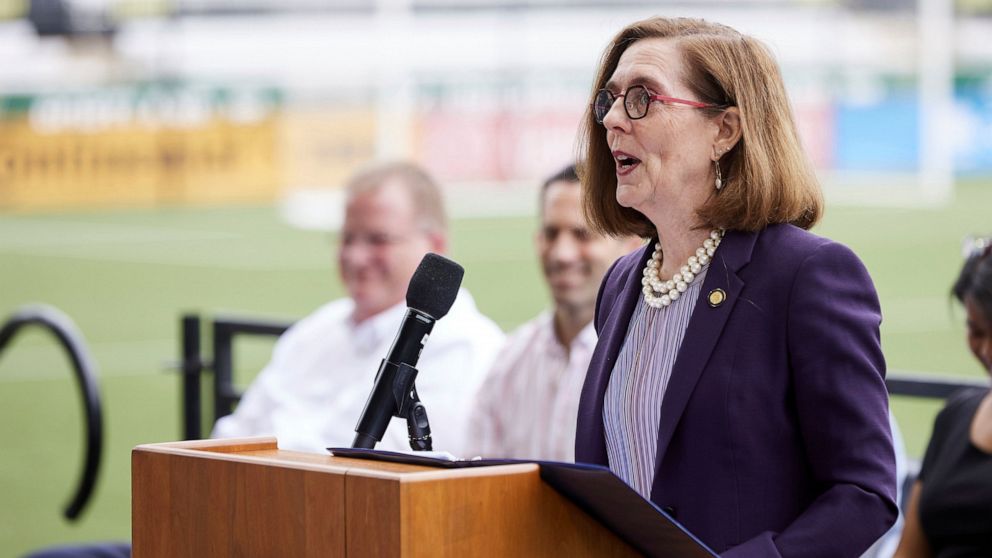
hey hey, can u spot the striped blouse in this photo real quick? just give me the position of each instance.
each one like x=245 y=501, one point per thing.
x=632 y=407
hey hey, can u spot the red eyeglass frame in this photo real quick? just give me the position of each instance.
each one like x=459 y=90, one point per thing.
x=651 y=97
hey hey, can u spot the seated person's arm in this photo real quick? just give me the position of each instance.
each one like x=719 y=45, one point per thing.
x=913 y=543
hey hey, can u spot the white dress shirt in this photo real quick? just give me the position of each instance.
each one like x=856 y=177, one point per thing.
x=312 y=393
x=528 y=404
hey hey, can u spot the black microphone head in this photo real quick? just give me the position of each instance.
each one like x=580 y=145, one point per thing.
x=434 y=285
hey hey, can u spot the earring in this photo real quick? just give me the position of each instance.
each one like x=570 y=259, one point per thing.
x=719 y=177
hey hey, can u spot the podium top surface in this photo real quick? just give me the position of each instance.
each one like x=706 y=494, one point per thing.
x=265 y=451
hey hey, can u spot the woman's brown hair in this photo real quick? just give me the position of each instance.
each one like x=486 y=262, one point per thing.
x=767 y=177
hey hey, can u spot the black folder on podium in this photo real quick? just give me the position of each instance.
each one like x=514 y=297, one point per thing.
x=593 y=488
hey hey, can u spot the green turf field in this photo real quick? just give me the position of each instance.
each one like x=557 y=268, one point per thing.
x=125 y=278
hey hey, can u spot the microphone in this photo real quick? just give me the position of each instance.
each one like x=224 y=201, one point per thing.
x=430 y=294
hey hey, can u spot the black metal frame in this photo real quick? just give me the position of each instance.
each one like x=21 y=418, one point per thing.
x=929 y=386
x=85 y=371
x=225 y=394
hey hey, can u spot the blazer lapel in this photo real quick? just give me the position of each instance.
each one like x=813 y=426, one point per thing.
x=703 y=332
x=619 y=317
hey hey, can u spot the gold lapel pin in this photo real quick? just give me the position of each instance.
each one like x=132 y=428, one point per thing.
x=716 y=297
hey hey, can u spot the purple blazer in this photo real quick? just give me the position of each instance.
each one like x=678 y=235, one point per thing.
x=774 y=435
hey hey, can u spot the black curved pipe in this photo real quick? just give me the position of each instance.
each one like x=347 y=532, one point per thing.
x=72 y=340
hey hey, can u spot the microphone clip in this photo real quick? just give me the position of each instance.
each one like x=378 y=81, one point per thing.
x=404 y=391
x=403 y=402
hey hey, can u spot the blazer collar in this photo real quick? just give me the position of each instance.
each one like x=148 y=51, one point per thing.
x=703 y=331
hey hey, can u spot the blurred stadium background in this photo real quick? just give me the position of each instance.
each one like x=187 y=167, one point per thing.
x=161 y=157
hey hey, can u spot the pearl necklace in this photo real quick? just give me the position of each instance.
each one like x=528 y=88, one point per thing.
x=658 y=293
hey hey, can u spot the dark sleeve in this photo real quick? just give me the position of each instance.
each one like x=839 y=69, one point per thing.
x=837 y=370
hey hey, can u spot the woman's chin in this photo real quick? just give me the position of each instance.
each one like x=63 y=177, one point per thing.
x=626 y=196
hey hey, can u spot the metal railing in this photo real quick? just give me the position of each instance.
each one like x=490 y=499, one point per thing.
x=929 y=386
x=84 y=368
x=224 y=331
x=226 y=394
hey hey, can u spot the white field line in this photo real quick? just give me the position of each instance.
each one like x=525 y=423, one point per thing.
x=924 y=314
x=81 y=241
x=71 y=233
x=207 y=262
x=41 y=362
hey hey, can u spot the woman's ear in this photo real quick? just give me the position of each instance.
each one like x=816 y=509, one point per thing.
x=728 y=131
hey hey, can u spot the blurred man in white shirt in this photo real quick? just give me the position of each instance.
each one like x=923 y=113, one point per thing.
x=312 y=392
x=528 y=403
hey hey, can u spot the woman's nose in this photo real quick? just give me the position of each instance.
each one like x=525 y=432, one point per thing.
x=616 y=117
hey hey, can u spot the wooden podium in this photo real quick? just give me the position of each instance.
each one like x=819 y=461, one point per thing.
x=247 y=498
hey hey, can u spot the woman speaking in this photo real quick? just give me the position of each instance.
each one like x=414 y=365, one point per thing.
x=738 y=379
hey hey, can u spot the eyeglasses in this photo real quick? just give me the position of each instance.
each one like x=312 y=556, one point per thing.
x=636 y=101
x=976 y=246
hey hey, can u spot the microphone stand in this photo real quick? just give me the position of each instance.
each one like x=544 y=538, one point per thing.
x=432 y=290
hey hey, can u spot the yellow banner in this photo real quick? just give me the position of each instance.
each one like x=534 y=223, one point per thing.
x=134 y=165
x=150 y=145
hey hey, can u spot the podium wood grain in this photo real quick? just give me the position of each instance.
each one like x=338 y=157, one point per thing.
x=248 y=498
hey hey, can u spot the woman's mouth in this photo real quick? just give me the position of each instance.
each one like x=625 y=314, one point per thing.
x=625 y=162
